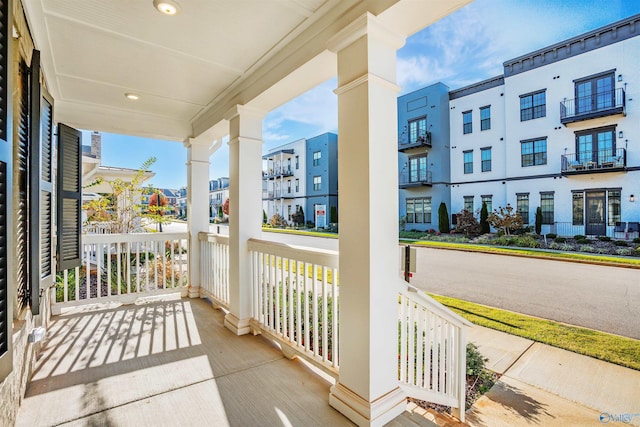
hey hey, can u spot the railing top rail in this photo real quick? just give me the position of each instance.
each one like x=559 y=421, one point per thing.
x=419 y=296
x=132 y=237
x=213 y=238
x=301 y=253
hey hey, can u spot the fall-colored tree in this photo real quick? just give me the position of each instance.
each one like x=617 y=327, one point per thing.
x=225 y=207
x=505 y=219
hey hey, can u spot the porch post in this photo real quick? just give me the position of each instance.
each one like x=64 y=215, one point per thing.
x=367 y=391
x=197 y=206
x=245 y=209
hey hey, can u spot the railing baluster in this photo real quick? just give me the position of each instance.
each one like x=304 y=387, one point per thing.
x=128 y=267
x=325 y=326
x=290 y=303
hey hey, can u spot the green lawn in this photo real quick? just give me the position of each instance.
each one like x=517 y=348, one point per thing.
x=610 y=348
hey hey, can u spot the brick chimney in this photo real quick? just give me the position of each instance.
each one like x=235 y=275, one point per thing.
x=96 y=144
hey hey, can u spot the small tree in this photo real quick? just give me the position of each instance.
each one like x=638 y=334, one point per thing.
x=484 y=224
x=333 y=215
x=158 y=206
x=467 y=223
x=225 y=207
x=538 y=220
x=264 y=215
x=220 y=213
x=505 y=219
x=443 y=218
x=298 y=217
x=278 y=220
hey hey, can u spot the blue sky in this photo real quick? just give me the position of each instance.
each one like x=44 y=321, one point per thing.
x=468 y=46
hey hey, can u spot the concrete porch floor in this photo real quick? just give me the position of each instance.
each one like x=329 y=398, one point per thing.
x=172 y=363
x=168 y=363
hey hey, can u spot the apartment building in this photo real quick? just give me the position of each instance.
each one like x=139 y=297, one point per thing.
x=302 y=173
x=558 y=130
x=423 y=158
x=218 y=193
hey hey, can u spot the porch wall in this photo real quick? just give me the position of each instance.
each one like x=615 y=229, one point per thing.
x=13 y=388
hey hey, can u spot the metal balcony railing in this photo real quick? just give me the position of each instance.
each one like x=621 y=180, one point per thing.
x=596 y=105
x=405 y=143
x=277 y=172
x=415 y=178
x=590 y=161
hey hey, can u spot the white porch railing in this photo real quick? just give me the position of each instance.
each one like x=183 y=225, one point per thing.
x=433 y=345
x=295 y=300
x=124 y=266
x=214 y=268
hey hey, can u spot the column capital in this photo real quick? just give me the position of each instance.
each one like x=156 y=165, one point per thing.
x=365 y=25
x=244 y=110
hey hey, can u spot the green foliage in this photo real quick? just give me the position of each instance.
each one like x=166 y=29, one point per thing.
x=505 y=219
x=264 y=215
x=625 y=251
x=411 y=234
x=583 y=241
x=467 y=224
x=443 y=218
x=402 y=222
x=277 y=221
x=525 y=241
x=636 y=240
x=604 y=238
x=538 y=220
x=551 y=235
x=484 y=223
x=587 y=248
x=561 y=239
x=579 y=237
x=298 y=217
x=333 y=215
x=221 y=214
x=620 y=243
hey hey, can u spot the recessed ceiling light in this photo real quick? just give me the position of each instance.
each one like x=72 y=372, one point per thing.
x=132 y=96
x=166 y=7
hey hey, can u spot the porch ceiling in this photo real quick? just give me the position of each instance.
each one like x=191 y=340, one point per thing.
x=190 y=67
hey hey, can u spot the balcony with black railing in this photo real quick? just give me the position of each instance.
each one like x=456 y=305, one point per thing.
x=608 y=160
x=417 y=178
x=406 y=143
x=596 y=105
x=273 y=173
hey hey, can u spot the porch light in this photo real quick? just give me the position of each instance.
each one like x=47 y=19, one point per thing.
x=620 y=134
x=132 y=96
x=632 y=199
x=166 y=7
x=619 y=77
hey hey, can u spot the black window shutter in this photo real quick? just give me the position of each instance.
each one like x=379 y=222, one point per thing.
x=21 y=171
x=69 y=197
x=34 y=183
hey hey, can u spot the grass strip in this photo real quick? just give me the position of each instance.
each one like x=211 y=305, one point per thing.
x=540 y=253
x=301 y=232
x=600 y=345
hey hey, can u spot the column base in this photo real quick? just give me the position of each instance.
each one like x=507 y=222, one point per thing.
x=365 y=413
x=237 y=326
x=194 y=292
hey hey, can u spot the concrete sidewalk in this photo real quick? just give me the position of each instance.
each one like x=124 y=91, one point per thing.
x=545 y=386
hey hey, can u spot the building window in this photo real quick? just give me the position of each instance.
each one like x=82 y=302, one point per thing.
x=468 y=161
x=533 y=152
x=595 y=94
x=418 y=169
x=289 y=212
x=485 y=154
x=297 y=162
x=596 y=146
x=419 y=210
x=466 y=122
x=417 y=129
x=317 y=183
x=297 y=185
x=522 y=207
x=578 y=209
x=317 y=155
x=468 y=203
x=488 y=200
x=533 y=106
x=289 y=187
x=485 y=118
x=546 y=203
x=614 y=207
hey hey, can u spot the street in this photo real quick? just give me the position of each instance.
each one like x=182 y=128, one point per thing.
x=598 y=297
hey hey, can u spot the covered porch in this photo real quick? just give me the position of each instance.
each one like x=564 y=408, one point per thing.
x=348 y=313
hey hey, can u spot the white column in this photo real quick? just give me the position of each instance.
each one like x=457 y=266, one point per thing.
x=245 y=209
x=367 y=390
x=197 y=206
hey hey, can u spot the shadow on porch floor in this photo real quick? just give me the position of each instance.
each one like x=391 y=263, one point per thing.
x=169 y=363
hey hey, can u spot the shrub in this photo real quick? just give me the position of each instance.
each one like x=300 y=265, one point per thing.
x=484 y=224
x=554 y=245
x=579 y=237
x=625 y=251
x=278 y=221
x=551 y=235
x=604 y=238
x=602 y=251
x=504 y=241
x=333 y=216
x=587 y=248
x=583 y=241
x=402 y=222
x=566 y=247
x=561 y=239
x=505 y=219
x=264 y=214
x=526 y=242
x=467 y=223
x=443 y=218
x=538 y=220
x=636 y=240
x=620 y=243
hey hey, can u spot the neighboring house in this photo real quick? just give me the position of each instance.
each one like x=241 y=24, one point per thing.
x=182 y=202
x=303 y=173
x=172 y=196
x=423 y=159
x=218 y=193
x=558 y=130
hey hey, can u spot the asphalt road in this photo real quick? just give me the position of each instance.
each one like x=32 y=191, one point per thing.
x=598 y=297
